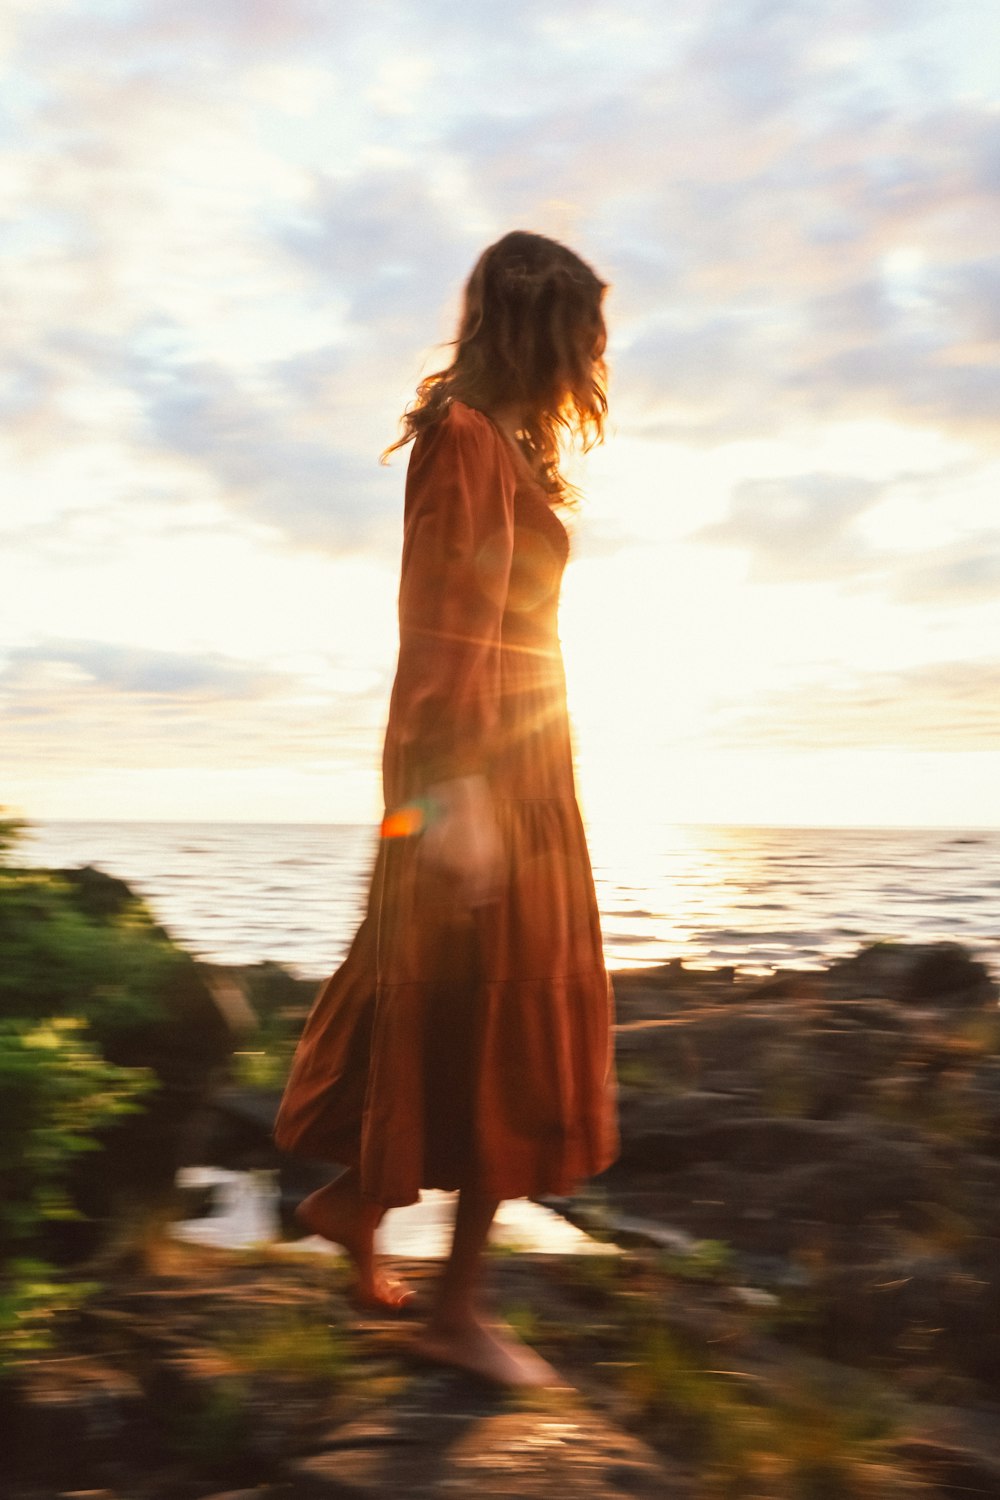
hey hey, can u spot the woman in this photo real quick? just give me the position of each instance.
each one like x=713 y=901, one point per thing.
x=465 y=1042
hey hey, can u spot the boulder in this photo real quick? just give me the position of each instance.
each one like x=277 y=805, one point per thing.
x=943 y=973
x=233 y=1129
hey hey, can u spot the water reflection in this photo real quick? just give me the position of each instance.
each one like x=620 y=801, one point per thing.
x=246 y=1213
x=764 y=897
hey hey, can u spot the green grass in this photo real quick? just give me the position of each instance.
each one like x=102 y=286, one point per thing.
x=524 y=1321
x=289 y=1343
x=638 y=1073
x=598 y=1276
x=709 y=1260
x=812 y=1436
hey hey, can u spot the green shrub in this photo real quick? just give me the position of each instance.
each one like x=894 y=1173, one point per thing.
x=57 y=960
x=65 y=982
x=56 y=1090
x=11 y=830
x=33 y=1298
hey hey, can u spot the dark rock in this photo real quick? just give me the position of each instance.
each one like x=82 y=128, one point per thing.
x=689 y=1047
x=862 y=1013
x=642 y=1114
x=100 y=896
x=70 y=1416
x=646 y=994
x=926 y=1309
x=259 y=1492
x=849 y=1193
x=801 y=985
x=196 y=1201
x=233 y=1129
x=910 y=973
x=656 y=976
x=953 y=1471
x=187 y=1046
x=272 y=990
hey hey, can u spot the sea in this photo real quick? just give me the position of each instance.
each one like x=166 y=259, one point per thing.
x=757 y=899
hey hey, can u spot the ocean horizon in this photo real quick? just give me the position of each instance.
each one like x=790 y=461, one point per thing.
x=754 y=897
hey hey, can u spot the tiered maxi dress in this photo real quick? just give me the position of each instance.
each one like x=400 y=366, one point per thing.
x=455 y=1049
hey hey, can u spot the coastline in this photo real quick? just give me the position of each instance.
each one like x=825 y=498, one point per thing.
x=802 y=1229
x=789 y=1281
x=757 y=899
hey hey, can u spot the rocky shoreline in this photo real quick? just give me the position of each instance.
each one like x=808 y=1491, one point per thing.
x=803 y=1297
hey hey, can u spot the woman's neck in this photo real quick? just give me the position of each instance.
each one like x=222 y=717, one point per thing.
x=509 y=418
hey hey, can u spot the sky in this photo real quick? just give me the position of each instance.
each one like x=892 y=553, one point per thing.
x=233 y=237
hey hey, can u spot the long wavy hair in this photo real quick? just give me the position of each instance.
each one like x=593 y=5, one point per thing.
x=532 y=335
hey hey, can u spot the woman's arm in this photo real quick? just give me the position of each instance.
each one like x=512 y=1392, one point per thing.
x=457 y=547
x=461 y=847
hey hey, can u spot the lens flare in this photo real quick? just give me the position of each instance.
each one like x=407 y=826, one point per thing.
x=403 y=822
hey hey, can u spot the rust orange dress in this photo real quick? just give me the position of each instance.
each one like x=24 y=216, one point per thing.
x=449 y=1051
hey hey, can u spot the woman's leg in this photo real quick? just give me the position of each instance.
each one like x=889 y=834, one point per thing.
x=339 y=1213
x=456 y=1332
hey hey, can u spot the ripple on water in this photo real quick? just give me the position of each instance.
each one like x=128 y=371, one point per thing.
x=250 y=893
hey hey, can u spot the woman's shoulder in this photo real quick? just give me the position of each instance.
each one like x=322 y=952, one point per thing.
x=465 y=428
x=471 y=418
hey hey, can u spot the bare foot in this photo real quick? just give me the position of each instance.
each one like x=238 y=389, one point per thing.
x=494 y=1354
x=339 y=1214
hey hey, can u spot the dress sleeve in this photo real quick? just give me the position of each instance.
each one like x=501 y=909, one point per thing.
x=457 y=544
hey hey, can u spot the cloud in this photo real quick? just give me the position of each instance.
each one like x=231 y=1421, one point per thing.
x=964 y=572
x=741 y=177
x=79 y=704
x=234 y=232
x=949 y=705
x=313 y=488
x=167 y=31
x=798 y=528
x=77 y=665
x=386 y=242
x=815 y=527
